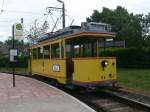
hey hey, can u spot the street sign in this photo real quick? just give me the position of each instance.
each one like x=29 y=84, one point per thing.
x=18 y=31
x=13 y=55
x=13 y=52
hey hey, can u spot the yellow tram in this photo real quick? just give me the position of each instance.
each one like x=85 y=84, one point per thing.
x=71 y=56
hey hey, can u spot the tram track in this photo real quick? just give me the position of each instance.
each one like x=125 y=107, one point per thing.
x=106 y=102
x=138 y=99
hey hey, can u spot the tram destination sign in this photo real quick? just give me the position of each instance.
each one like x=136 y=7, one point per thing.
x=56 y=68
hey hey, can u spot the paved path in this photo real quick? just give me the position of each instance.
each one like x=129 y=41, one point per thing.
x=31 y=95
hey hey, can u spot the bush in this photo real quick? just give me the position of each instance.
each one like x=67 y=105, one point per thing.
x=130 y=57
x=22 y=62
x=4 y=62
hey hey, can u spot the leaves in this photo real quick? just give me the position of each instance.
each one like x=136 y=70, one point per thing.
x=127 y=26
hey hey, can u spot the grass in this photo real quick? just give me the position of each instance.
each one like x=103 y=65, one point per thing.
x=17 y=70
x=135 y=78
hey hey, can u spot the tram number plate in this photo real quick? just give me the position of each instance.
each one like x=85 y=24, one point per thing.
x=56 y=68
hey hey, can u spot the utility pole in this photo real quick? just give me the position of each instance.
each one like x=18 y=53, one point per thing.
x=13 y=63
x=22 y=40
x=63 y=12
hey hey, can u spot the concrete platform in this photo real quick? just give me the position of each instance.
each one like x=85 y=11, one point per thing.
x=31 y=95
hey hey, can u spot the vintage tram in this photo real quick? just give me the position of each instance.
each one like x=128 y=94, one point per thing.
x=71 y=56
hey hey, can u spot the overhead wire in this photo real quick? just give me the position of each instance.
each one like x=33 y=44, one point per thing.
x=59 y=22
x=145 y=9
x=5 y=21
x=25 y=12
x=58 y=18
x=53 y=20
x=71 y=18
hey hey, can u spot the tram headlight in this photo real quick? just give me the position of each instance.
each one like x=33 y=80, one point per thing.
x=104 y=63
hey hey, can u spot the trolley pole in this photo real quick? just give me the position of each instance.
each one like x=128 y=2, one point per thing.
x=13 y=63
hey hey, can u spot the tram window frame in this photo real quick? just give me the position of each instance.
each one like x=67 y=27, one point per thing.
x=54 y=53
x=40 y=53
x=62 y=49
x=34 y=53
x=45 y=53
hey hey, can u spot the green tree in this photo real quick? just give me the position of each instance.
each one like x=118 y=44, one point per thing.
x=1 y=46
x=126 y=26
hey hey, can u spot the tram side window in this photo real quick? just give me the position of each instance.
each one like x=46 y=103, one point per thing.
x=40 y=52
x=46 y=52
x=34 y=53
x=55 y=50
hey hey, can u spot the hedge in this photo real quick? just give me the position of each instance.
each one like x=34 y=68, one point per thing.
x=22 y=62
x=130 y=57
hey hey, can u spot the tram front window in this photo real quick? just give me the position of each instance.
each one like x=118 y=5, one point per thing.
x=81 y=48
x=85 y=50
x=88 y=46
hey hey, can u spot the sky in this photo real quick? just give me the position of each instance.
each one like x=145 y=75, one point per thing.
x=78 y=10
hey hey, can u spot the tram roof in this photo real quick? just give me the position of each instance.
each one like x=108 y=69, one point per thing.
x=86 y=29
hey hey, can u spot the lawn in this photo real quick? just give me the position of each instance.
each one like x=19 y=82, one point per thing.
x=17 y=70
x=135 y=78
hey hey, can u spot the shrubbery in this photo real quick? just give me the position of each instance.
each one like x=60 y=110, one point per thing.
x=22 y=62
x=130 y=57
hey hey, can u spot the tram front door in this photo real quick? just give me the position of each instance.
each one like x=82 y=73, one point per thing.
x=69 y=62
